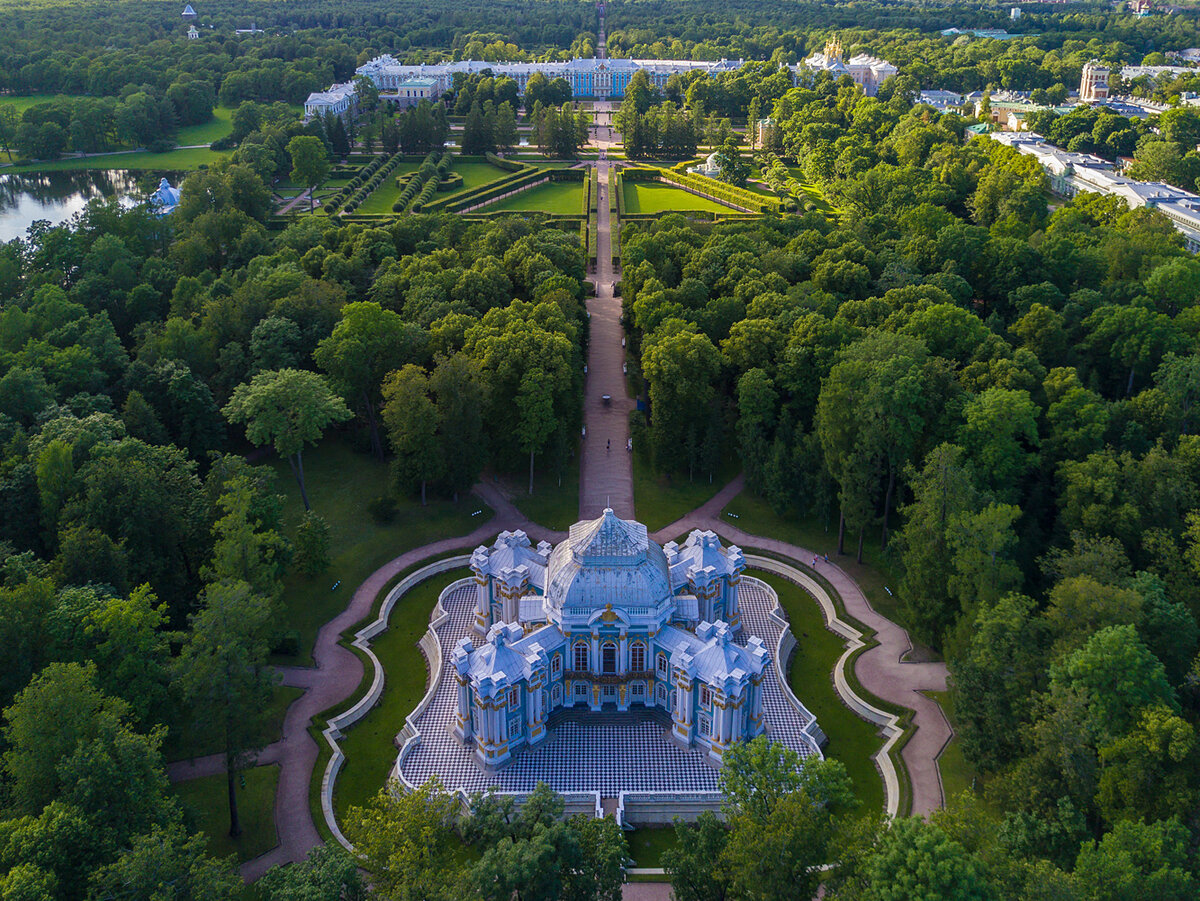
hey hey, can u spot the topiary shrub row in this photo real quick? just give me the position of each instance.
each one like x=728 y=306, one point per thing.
x=506 y=165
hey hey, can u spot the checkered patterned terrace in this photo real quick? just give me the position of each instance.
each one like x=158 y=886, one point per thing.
x=581 y=757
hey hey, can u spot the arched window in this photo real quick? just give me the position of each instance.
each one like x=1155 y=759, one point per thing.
x=514 y=697
x=556 y=664
x=556 y=696
x=662 y=664
x=581 y=656
x=608 y=657
x=637 y=657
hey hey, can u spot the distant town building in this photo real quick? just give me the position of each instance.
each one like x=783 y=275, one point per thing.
x=868 y=72
x=188 y=12
x=1141 y=8
x=1014 y=13
x=1190 y=55
x=1129 y=73
x=995 y=34
x=940 y=100
x=1071 y=173
x=193 y=33
x=588 y=78
x=253 y=29
x=411 y=92
x=1093 y=86
x=340 y=99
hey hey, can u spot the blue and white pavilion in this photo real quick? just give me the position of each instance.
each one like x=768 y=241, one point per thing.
x=608 y=620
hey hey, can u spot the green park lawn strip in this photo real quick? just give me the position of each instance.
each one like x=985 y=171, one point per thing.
x=179 y=160
x=653 y=197
x=23 y=102
x=957 y=774
x=341 y=483
x=564 y=197
x=206 y=801
x=219 y=126
x=553 y=504
x=660 y=499
x=647 y=843
x=852 y=740
x=474 y=175
x=369 y=745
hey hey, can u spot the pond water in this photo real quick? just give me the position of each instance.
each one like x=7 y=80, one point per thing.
x=57 y=196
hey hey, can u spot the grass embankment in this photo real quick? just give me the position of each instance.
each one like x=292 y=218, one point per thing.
x=957 y=774
x=653 y=197
x=219 y=126
x=852 y=740
x=382 y=198
x=563 y=197
x=369 y=745
x=647 y=843
x=341 y=484
x=660 y=499
x=207 y=803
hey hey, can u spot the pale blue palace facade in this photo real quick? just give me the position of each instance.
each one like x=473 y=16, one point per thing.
x=589 y=78
x=607 y=620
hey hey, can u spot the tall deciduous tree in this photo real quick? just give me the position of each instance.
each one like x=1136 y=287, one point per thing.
x=287 y=409
x=310 y=163
x=367 y=344
x=461 y=396
x=225 y=677
x=412 y=420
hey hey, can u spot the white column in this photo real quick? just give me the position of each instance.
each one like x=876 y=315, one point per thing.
x=623 y=653
x=594 y=666
x=464 y=707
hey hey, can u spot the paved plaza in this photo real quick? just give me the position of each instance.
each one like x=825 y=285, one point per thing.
x=586 y=757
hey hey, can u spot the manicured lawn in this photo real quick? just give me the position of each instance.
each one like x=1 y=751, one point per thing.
x=474 y=175
x=852 y=740
x=218 y=127
x=876 y=575
x=369 y=744
x=647 y=843
x=193 y=742
x=207 y=801
x=957 y=774
x=382 y=198
x=24 y=101
x=552 y=505
x=554 y=197
x=173 y=159
x=659 y=500
x=654 y=197
x=341 y=483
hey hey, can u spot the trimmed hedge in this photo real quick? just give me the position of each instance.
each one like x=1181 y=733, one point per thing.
x=728 y=193
x=506 y=165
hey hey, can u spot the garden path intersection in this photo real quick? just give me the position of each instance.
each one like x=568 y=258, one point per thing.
x=577 y=755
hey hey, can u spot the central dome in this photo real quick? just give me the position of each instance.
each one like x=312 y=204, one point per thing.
x=607 y=561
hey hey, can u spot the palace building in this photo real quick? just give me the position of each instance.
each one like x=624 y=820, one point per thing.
x=868 y=72
x=606 y=621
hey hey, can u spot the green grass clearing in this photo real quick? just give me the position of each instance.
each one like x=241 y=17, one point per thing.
x=552 y=505
x=369 y=744
x=564 y=197
x=957 y=774
x=206 y=801
x=647 y=843
x=852 y=740
x=180 y=160
x=654 y=197
x=660 y=499
x=474 y=175
x=23 y=102
x=341 y=483
x=219 y=126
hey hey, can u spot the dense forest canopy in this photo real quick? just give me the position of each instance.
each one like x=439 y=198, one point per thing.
x=996 y=386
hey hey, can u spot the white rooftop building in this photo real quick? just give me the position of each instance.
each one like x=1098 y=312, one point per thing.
x=164 y=199
x=1071 y=173
x=341 y=99
x=608 y=620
